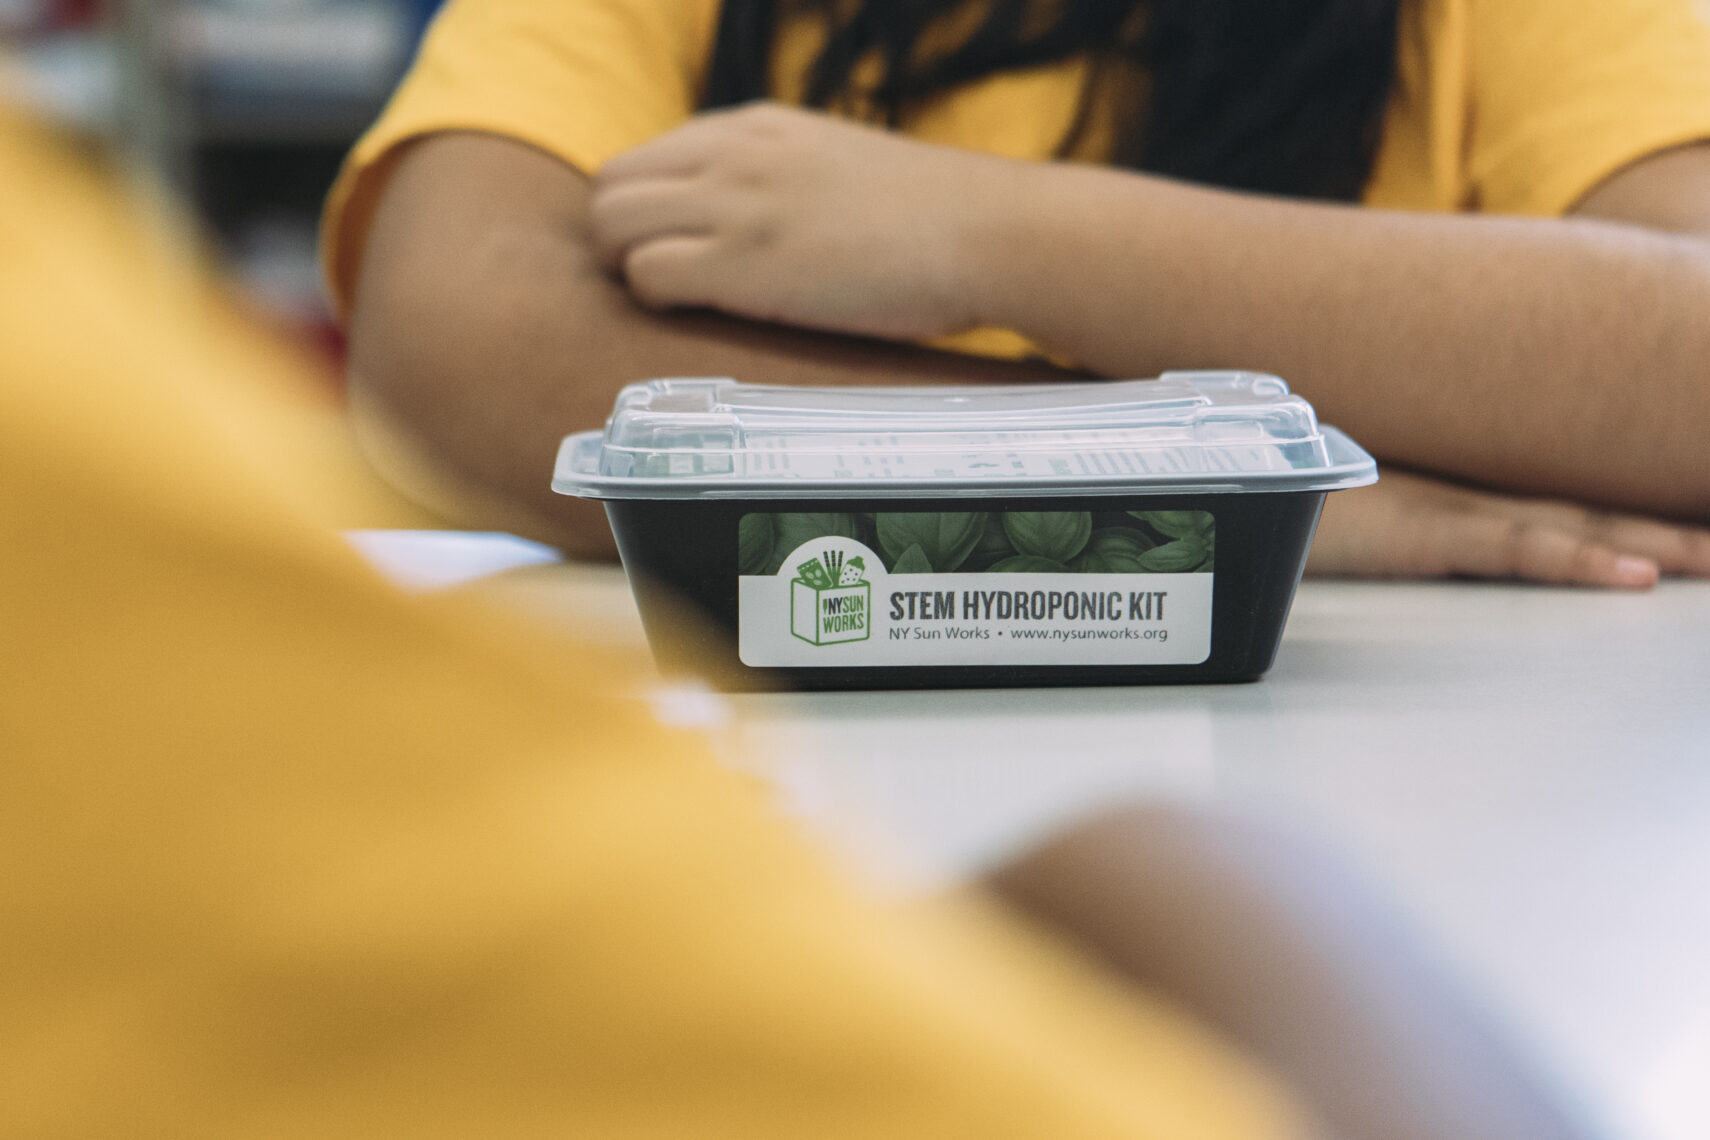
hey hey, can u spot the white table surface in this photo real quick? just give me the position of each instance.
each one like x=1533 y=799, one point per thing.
x=1527 y=772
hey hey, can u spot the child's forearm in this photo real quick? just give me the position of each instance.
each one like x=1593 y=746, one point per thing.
x=1571 y=357
x=1567 y=357
x=483 y=330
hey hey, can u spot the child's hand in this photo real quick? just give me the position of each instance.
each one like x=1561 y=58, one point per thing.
x=1410 y=526
x=786 y=215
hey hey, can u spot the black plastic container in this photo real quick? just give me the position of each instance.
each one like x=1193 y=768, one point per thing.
x=1119 y=533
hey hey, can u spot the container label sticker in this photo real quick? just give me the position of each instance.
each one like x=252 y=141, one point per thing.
x=976 y=588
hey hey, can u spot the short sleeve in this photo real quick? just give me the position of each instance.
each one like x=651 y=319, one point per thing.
x=581 y=79
x=1564 y=93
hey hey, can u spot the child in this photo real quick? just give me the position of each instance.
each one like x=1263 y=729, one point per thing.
x=1517 y=301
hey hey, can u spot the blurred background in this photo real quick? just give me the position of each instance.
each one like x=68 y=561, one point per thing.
x=242 y=108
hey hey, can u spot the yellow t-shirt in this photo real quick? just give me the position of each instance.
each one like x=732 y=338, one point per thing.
x=1500 y=106
x=286 y=853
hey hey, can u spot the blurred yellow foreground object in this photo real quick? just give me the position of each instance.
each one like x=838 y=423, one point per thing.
x=284 y=852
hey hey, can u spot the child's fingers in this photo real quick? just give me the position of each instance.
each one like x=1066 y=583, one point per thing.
x=623 y=215
x=1414 y=527
x=1679 y=550
x=1504 y=549
x=679 y=153
x=1484 y=545
x=1541 y=553
x=675 y=270
x=1675 y=548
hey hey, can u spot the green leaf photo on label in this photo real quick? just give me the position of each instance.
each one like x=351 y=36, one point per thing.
x=756 y=535
x=945 y=539
x=1114 y=550
x=795 y=529
x=1029 y=564
x=1111 y=541
x=913 y=561
x=994 y=545
x=1057 y=535
x=1176 y=557
x=1176 y=524
x=1190 y=541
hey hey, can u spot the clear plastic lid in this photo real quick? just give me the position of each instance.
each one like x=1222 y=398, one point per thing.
x=1185 y=432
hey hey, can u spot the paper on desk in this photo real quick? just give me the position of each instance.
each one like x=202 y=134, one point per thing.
x=440 y=559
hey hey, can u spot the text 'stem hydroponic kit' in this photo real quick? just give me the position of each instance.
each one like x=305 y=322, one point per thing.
x=1098 y=533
